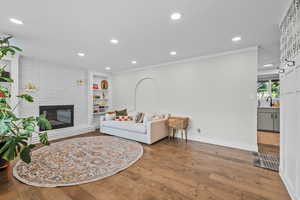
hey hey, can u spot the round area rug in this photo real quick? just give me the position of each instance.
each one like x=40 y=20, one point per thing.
x=77 y=161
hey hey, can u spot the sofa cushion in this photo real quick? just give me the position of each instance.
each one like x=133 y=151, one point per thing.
x=125 y=125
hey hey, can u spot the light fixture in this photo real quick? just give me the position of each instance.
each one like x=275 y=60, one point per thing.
x=80 y=54
x=114 y=41
x=237 y=39
x=173 y=53
x=268 y=65
x=107 y=68
x=16 y=21
x=175 y=16
x=133 y=62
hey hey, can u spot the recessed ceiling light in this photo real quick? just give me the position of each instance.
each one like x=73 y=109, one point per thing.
x=176 y=16
x=134 y=62
x=237 y=39
x=268 y=65
x=114 y=41
x=107 y=68
x=173 y=53
x=80 y=54
x=16 y=21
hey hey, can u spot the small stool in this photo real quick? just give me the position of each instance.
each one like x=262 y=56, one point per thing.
x=178 y=123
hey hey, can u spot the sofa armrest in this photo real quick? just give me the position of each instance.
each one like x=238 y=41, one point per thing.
x=102 y=118
x=157 y=130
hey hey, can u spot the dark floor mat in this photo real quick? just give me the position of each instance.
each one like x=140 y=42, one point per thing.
x=266 y=161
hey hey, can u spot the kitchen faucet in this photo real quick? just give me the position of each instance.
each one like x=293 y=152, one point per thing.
x=271 y=100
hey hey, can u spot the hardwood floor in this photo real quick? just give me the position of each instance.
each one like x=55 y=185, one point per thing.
x=169 y=171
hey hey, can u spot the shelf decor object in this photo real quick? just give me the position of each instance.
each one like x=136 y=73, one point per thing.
x=31 y=88
x=104 y=84
x=80 y=82
x=290 y=33
x=95 y=86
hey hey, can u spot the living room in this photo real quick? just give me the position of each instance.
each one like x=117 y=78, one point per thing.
x=145 y=100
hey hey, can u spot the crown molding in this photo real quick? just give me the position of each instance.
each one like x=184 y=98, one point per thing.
x=254 y=48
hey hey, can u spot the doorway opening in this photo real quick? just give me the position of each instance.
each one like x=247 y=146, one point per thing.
x=268 y=114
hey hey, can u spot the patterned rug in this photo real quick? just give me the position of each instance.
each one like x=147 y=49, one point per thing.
x=77 y=161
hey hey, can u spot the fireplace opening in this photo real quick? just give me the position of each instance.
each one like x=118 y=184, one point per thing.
x=59 y=116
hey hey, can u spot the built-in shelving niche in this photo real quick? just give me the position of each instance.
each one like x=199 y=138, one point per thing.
x=99 y=99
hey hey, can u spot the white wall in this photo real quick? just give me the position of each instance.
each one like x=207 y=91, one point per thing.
x=290 y=129
x=57 y=85
x=218 y=93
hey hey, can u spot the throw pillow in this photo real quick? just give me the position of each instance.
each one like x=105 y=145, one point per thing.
x=139 y=118
x=121 y=112
x=123 y=118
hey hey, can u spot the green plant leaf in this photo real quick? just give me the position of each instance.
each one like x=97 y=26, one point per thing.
x=10 y=153
x=26 y=97
x=16 y=48
x=5 y=147
x=44 y=138
x=8 y=114
x=14 y=144
x=4 y=106
x=7 y=50
x=4 y=92
x=9 y=80
x=4 y=126
x=43 y=123
x=25 y=154
x=29 y=124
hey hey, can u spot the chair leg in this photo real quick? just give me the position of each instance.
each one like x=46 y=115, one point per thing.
x=185 y=131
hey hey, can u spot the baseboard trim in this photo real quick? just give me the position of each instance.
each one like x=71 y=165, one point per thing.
x=65 y=132
x=288 y=186
x=224 y=143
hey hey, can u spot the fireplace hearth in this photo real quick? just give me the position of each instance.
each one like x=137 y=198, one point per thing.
x=59 y=116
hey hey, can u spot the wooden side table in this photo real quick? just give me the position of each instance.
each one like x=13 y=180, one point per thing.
x=178 y=123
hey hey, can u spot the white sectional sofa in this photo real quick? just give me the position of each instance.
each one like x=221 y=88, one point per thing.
x=147 y=132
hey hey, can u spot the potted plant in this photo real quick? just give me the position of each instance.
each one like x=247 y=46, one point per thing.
x=16 y=132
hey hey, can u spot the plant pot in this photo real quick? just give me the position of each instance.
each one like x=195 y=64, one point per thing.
x=3 y=163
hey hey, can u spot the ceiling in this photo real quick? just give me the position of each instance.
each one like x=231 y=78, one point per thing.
x=57 y=30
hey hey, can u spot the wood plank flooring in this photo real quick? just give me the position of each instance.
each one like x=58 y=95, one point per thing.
x=168 y=171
